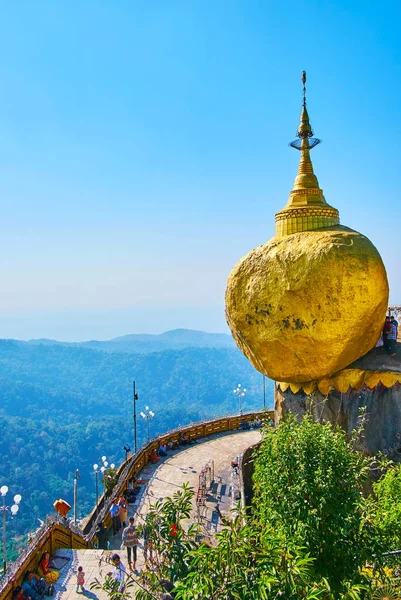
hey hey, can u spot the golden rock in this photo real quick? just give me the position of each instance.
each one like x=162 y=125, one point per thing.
x=306 y=305
x=313 y=299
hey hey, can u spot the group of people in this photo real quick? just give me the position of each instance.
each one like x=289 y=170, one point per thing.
x=36 y=585
x=119 y=513
x=132 y=490
x=130 y=541
x=167 y=446
x=390 y=332
x=255 y=424
x=173 y=444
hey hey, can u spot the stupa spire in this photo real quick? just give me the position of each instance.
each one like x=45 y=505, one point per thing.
x=306 y=208
x=305 y=129
x=305 y=142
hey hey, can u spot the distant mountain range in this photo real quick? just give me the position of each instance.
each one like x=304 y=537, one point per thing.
x=144 y=343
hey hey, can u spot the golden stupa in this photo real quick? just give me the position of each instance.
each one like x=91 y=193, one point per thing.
x=313 y=299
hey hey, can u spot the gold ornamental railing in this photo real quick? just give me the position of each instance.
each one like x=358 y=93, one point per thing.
x=138 y=461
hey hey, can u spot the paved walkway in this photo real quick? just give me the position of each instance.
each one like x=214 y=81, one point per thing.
x=192 y=464
x=210 y=459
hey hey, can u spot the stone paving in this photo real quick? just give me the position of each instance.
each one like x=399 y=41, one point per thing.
x=183 y=465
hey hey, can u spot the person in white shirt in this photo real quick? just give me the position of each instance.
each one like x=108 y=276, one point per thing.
x=119 y=572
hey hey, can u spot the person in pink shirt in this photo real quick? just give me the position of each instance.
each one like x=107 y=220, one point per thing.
x=80 y=579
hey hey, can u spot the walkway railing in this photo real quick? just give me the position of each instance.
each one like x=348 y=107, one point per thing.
x=138 y=461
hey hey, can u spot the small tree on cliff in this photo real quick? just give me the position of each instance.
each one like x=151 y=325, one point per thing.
x=307 y=483
x=386 y=510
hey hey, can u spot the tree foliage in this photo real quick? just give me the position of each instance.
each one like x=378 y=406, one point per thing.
x=308 y=484
x=169 y=542
x=109 y=480
x=250 y=562
x=386 y=510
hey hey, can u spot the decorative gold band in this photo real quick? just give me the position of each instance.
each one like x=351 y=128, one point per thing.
x=307 y=192
x=296 y=220
x=307 y=211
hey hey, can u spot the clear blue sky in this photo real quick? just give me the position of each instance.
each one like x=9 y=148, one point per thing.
x=143 y=150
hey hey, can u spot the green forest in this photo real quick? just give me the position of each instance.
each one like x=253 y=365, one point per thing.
x=64 y=406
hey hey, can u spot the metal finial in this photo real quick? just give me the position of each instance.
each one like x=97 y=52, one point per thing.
x=305 y=140
x=304 y=87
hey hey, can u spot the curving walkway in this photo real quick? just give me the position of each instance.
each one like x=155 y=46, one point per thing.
x=186 y=466
x=180 y=466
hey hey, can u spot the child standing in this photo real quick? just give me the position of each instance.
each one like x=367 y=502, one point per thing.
x=80 y=579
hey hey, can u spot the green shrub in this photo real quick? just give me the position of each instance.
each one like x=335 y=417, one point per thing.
x=307 y=484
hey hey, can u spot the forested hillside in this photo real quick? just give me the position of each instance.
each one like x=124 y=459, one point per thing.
x=63 y=407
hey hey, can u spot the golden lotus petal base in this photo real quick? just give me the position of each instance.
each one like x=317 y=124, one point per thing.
x=374 y=369
x=344 y=380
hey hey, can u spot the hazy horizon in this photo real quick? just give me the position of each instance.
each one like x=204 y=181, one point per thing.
x=144 y=151
x=81 y=326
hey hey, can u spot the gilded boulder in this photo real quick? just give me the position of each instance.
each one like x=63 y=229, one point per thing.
x=304 y=306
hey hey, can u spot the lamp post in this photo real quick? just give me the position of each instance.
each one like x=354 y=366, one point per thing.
x=77 y=476
x=134 y=415
x=240 y=393
x=13 y=509
x=148 y=414
x=101 y=470
x=96 y=470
